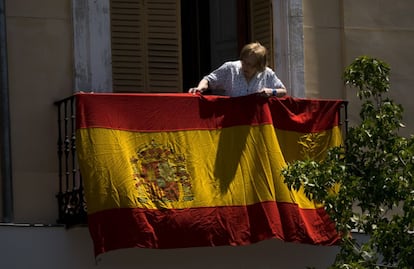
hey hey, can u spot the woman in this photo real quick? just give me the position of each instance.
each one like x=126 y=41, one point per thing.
x=246 y=76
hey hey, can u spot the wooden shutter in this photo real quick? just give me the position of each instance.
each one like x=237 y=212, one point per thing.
x=146 y=45
x=128 y=59
x=164 y=46
x=261 y=26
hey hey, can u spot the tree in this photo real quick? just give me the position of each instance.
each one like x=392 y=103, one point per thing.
x=367 y=185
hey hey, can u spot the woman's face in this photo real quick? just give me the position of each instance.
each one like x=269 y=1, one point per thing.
x=249 y=68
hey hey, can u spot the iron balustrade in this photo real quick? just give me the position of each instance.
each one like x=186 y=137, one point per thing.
x=71 y=199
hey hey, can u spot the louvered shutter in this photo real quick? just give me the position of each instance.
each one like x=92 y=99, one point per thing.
x=127 y=40
x=164 y=46
x=261 y=27
x=146 y=46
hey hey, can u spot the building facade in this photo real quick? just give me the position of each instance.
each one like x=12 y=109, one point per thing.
x=55 y=48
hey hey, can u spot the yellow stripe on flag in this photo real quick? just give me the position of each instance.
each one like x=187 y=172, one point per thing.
x=226 y=167
x=299 y=146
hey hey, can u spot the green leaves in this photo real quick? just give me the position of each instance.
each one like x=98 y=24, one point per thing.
x=369 y=75
x=374 y=170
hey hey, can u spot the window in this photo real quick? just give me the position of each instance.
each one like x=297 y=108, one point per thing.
x=146 y=40
x=164 y=45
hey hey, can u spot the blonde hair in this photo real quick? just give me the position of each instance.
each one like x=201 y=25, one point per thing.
x=258 y=51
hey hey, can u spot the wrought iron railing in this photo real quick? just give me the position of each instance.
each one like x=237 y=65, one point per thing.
x=343 y=118
x=71 y=201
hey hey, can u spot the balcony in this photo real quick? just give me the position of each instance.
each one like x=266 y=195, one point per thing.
x=72 y=209
x=71 y=202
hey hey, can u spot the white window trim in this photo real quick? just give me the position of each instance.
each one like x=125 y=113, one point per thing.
x=288 y=42
x=92 y=45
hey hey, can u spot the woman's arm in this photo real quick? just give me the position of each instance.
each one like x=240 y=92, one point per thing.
x=278 y=92
x=201 y=87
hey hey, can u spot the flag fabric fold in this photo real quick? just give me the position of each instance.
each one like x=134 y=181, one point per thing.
x=178 y=170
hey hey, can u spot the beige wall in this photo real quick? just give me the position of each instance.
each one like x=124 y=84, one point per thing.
x=322 y=27
x=338 y=31
x=40 y=72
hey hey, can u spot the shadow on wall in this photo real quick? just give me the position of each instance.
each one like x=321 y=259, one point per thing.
x=57 y=247
x=266 y=254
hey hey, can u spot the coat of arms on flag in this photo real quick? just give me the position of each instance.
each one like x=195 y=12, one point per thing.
x=161 y=175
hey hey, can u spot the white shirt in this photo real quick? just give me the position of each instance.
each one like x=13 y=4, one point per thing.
x=230 y=78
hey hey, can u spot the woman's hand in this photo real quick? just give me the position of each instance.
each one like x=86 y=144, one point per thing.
x=268 y=92
x=195 y=90
x=202 y=86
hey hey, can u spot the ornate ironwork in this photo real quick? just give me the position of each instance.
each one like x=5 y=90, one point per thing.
x=71 y=202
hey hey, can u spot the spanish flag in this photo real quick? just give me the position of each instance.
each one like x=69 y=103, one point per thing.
x=182 y=170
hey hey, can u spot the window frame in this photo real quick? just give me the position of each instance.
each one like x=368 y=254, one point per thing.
x=92 y=47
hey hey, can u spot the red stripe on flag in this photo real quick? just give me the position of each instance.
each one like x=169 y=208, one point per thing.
x=169 y=112
x=216 y=226
x=175 y=112
x=305 y=115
